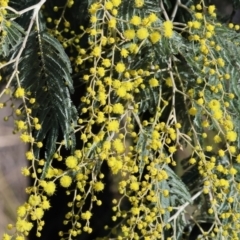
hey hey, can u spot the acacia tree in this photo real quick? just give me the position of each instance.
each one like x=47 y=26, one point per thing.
x=131 y=85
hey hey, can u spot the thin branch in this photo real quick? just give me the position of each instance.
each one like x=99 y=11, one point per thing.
x=163 y=10
x=36 y=6
x=177 y=5
x=178 y=2
x=181 y=208
x=16 y=60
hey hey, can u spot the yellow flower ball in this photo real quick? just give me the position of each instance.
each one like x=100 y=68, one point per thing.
x=29 y=155
x=211 y=9
x=118 y=146
x=96 y=52
x=112 y=23
x=124 y=52
x=196 y=24
x=49 y=188
x=142 y=33
x=199 y=15
x=192 y=111
x=200 y=101
x=153 y=82
x=45 y=204
x=71 y=162
x=118 y=108
x=120 y=67
x=168 y=29
x=113 y=126
x=134 y=186
x=221 y=153
x=87 y=215
x=231 y=136
x=108 y=5
x=121 y=92
x=21 y=212
x=152 y=17
x=98 y=186
x=139 y=3
x=116 y=3
x=172 y=149
x=135 y=20
x=129 y=34
x=20 y=92
x=155 y=37
x=65 y=181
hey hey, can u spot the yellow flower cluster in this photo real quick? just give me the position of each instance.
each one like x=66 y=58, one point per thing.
x=217 y=124
x=3 y=12
x=168 y=29
x=120 y=90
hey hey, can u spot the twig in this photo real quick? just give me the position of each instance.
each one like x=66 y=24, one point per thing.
x=36 y=8
x=163 y=10
x=178 y=2
x=181 y=208
x=177 y=5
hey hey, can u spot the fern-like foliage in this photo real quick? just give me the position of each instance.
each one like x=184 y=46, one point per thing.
x=12 y=36
x=44 y=71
